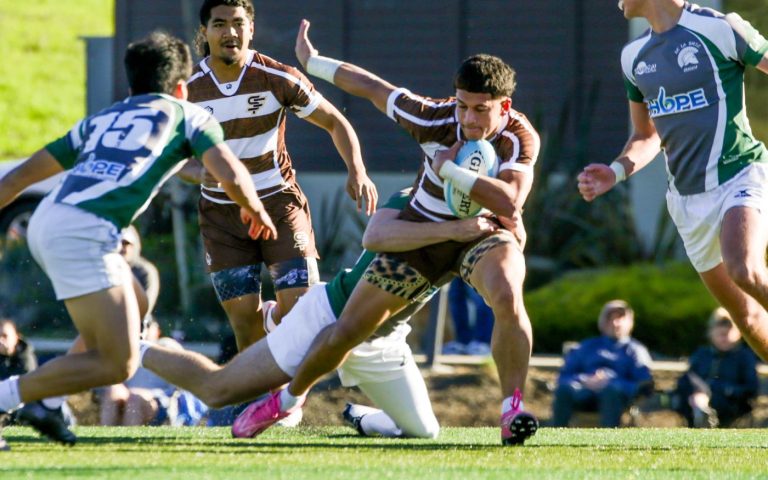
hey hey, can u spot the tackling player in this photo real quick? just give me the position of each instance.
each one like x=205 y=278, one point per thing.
x=382 y=367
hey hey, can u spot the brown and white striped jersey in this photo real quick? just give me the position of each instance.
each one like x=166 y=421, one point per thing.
x=434 y=124
x=251 y=111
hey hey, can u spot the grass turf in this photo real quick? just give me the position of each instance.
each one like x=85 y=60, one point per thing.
x=336 y=452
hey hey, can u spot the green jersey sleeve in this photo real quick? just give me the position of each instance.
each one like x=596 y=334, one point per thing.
x=751 y=46
x=67 y=148
x=633 y=93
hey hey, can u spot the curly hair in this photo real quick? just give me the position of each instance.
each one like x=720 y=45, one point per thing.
x=483 y=73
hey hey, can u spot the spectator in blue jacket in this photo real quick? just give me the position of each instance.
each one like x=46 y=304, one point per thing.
x=604 y=373
x=721 y=382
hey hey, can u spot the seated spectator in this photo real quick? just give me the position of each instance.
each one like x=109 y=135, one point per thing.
x=471 y=338
x=17 y=357
x=604 y=373
x=143 y=270
x=721 y=381
x=146 y=399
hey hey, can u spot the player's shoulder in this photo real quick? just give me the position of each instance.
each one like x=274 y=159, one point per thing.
x=518 y=126
x=632 y=48
x=264 y=64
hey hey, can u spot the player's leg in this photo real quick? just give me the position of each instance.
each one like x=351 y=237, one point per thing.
x=291 y=278
x=496 y=268
x=744 y=237
x=292 y=257
x=108 y=321
x=387 y=286
x=384 y=369
x=245 y=317
x=251 y=373
x=233 y=260
x=405 y=405
x=749 y=315
x=498 y=276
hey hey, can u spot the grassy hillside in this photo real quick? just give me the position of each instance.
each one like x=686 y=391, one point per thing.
x=42 y=88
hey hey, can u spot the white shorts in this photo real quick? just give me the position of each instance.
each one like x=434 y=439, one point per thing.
x=380 y=360
x=79 y=251
x=699 y=217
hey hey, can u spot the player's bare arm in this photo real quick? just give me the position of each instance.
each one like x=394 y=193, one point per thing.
x=763 y=65
x=359 y=187
x=641 y=148
x=39 y=166
x=235 y=180
x=350 y=78
x=504 y=196
x=387 y=233
x=192 y=172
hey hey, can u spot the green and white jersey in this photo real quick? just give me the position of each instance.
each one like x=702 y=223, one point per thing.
x=340 y=287
x=692 y=79
x=119 y=158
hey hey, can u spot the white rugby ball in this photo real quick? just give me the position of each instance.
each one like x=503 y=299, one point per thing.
x=477 y=156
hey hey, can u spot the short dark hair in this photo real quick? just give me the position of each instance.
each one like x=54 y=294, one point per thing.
x=156 y=63
x=485 y=73
x=208 y=5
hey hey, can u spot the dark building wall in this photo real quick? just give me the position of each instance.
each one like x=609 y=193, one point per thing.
x=561 y=51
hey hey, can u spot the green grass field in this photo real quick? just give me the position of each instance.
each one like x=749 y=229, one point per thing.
x=336 y=452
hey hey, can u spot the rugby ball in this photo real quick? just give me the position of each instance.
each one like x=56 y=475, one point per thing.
x=477 y=156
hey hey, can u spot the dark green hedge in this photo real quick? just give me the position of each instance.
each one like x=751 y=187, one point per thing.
x=671 y=306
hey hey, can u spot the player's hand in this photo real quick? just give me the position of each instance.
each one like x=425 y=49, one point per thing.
x=468 y=229
x=595 y=180
x=361 y=188
x=260 y=225
x=443 y=156
x=304 y=48
x=515 y=225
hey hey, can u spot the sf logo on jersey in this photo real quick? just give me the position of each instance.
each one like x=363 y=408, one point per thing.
x=255 y=102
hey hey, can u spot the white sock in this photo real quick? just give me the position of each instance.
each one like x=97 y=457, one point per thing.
x=379 y=423
x=506 y=405
x=10 y=398
x=53 y=403
x=143 y=347
x=288 y=401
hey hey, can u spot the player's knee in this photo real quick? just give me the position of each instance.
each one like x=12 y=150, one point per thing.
x=429 y=430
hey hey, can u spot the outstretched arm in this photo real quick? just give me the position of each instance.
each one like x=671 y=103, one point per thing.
x=387 y=233
x=359 y=186
x=642 y=147
x=237 y=183
x=39 y=166
x=350 y=78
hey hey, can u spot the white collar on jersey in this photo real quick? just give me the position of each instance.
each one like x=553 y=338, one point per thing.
x=229 y=88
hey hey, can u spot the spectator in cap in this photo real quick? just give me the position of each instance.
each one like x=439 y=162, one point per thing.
x=604 y=373
x=721 y=382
